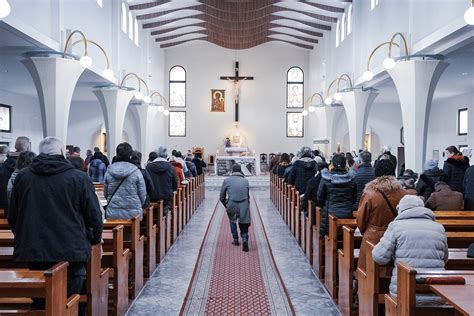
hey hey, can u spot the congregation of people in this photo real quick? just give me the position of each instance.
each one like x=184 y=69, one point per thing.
x=52 y=206
x=395 y=213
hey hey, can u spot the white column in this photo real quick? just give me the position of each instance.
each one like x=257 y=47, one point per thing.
x=114 y=103
x=147 y=119
x=357 y=104
x=328 y=115
x=415 y=81
x=55 y=80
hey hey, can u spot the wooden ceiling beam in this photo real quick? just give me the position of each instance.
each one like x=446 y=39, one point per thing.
x=168 y=45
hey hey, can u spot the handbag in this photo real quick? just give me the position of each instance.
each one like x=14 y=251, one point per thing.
x=112 y=196
x=233 y=212
x=392 y=209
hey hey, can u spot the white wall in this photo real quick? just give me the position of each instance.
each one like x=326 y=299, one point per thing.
x=262 y=102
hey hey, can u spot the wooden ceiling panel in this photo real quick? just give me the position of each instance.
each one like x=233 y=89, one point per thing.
x=240 y=24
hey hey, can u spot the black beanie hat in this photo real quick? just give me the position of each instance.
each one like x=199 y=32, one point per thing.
x=384 y=167
x=339 y=161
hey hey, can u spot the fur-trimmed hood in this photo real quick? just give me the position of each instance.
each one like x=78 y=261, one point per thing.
x=458 y=161
x=337 y=176
x=383 y=184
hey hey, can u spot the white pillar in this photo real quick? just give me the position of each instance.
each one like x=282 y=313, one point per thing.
x=357 y=104
x=114 y=103
x=148 y=121
x=55 y=80
x=416 y=81
x=330 y=115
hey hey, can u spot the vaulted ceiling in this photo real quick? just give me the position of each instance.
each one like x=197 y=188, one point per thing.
x=239 y=24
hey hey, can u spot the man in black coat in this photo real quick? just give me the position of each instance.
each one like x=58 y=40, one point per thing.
x=163 y=176
x=200 y=164
x=468 y=185
x=303 y=170
x=386 y=154
x=54 y=214
x=22 y=144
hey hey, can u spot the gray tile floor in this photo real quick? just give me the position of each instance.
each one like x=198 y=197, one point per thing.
x=165 y=291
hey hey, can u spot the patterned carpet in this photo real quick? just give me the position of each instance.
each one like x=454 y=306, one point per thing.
x=228 y=281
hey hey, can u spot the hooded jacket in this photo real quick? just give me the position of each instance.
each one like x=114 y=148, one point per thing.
x=97 y=170
x=414 y=238
x=179 y=172
x=444 y=199
x=374 y=215
x=427 y=181
x=164 y=179
x=54 y=212
x=130 y=196
x=469 y=189
x=200 y=165
x=280 y=169
x=6 y=170
x=364 y=175
x=301 y=172
x=454 y=168
x=336 y=194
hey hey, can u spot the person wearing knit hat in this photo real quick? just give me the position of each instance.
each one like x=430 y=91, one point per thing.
x=432 y=175
x=430 y=164
x=162 y=152
x=305 y=152
x=384 y=167
x=302 y=170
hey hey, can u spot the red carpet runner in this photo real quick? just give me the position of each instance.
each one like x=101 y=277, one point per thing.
x=228 y=281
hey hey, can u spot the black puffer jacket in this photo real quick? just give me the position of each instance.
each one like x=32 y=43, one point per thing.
x=164 y=179
x=469 y=189
x=311 y=192
x=54 y=212
x=454 y=168
x=337 y=194
x=302 y=171
x=280 y=169
x=6 y=170
x=364 y=175
x=427 y=181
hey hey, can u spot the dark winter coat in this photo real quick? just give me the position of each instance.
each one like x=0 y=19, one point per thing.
x=454 y=168
x=97 y=170
x=444 y=199
x=280 y=169
x=427 y=181
x=469 y=189
x=337 y=194
x=311 y=192
x=364 y=175
x=54 y=212
x=6 y=170
x=164 y=179
x=392 y=158
x=148 y=185
x=302 y=171
x=200 y=165
x=235 y=194
x=191 y=169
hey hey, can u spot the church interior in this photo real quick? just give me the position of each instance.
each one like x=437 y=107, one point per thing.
x=333 y=135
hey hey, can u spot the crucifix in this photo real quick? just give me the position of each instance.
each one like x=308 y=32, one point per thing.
x=236 y=78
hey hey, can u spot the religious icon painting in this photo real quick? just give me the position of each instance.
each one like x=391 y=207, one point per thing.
x=217 y=100
x=5 y=118
x=294 y=124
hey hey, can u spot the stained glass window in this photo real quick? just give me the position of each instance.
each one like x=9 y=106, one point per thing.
x=294 y=124
x=177 y=124
x=177 y=88
x=295 y=88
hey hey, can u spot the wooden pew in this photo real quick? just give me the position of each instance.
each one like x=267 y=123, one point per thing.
x=50 y=285
x=309 y=232
x=149 y=231
x=373 y=282
x=136 y=245
x=404 y=304
x=318 y=247
x=117 y=258
x=161 y=230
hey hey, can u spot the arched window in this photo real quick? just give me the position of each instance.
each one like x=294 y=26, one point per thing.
x=124 y=18
x=349 y=20
x=343 y=27
x=338 y=28
x=130 y=25
x=136 y=31
x=177 y=87
x=295 y=88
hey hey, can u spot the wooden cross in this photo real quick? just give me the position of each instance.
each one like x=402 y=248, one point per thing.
x=236 y=78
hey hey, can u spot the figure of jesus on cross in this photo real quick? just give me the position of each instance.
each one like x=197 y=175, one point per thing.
x=236 y=78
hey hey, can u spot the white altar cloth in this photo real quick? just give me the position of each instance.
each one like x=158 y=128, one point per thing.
x=236 y=151
x=250 y=165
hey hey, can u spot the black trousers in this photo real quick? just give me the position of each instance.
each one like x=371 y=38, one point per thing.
x=76 y=275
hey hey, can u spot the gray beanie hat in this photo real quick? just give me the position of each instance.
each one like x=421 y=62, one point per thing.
x=162 y=152
x=431 y=164
x=409 y=201
x=306 y=152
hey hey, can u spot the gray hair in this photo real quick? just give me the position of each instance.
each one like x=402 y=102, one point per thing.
x=161 y=151
x=386 y=149
x=51 y=146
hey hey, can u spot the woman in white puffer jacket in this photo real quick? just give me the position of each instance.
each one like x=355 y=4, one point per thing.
x=413 y=237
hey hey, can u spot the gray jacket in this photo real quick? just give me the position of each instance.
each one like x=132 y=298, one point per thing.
x=235 y=193
x=130 y=196
x=414 y=238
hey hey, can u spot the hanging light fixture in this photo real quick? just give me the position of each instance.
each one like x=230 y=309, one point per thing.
x=369 y=75
x=469 y=14
x=311 y=107
x=163 y=102
x=338 y=94
x=5 y=9
x=138 y=94
x=389 y=62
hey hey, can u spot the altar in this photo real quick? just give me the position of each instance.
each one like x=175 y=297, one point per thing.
x=250 y=165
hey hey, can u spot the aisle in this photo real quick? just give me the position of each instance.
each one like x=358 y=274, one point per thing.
x=229 y=281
